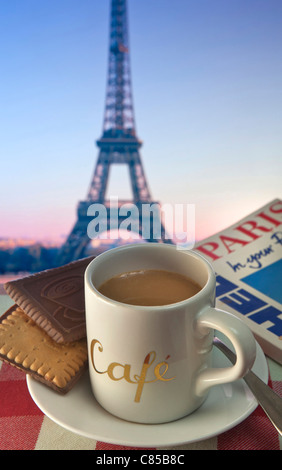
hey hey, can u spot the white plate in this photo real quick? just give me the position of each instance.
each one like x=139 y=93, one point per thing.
x=78 y=411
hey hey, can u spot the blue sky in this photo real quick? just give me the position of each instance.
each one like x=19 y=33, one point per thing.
x=207 y=88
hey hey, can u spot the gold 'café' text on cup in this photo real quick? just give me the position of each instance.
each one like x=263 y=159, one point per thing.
x=117 y=371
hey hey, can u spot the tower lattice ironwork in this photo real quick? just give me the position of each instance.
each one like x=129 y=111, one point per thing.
x=118 y=145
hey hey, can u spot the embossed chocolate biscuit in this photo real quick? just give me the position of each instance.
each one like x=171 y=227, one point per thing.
x=54 y=299
x=26 y=346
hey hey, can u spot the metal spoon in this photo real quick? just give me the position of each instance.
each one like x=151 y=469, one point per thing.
x=270 y=402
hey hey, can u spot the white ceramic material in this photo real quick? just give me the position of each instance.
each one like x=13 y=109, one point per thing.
x=152 y=364
x=78 y=412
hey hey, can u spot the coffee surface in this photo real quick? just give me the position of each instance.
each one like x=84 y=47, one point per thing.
x=149 y=287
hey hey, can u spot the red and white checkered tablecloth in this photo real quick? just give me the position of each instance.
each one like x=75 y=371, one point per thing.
x=23 y=426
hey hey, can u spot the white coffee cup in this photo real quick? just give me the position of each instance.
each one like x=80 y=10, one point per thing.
x=153 y=364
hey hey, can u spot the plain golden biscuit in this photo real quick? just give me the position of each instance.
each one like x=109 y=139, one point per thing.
x=26 y=346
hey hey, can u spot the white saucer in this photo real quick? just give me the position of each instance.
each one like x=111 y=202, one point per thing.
x=226 y=406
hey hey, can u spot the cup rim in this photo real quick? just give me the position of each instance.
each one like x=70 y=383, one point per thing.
x=204 y=290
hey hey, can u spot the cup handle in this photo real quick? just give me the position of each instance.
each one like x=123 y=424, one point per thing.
x=240 y=336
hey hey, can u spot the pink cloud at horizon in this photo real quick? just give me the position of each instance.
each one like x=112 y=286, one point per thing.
x=55 y=226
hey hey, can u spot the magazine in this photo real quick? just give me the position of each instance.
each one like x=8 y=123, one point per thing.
x=247 y=259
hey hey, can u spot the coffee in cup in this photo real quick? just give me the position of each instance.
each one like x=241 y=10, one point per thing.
x=149 y=287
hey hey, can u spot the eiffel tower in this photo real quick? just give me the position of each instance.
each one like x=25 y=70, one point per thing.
x=118 y=144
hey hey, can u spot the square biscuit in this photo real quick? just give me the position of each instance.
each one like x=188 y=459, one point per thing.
x=54 y=300
x=26 y=346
